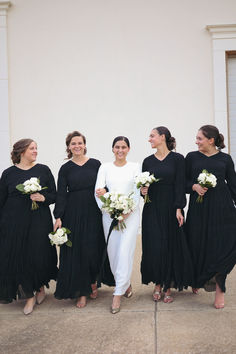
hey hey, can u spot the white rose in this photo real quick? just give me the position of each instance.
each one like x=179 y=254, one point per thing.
x=60 y=232
x=34 y=180
x=27 y=188
x=33 y=188
x=120 y=218
x=26 y=182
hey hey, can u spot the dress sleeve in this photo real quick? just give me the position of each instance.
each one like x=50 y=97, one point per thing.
x=61 y=197
x=100 y=183
x=231 y=178
x=50 y=192
x=3 y=190
x=136 y=191
x=189 y=179
x=180 y=198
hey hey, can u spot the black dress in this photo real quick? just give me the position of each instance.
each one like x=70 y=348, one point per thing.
x=165 y=259
x=27 y=259
x=77 y=208
x=211 y=225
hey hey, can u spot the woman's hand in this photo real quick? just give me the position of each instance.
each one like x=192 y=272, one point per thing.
x=144 y=190
x=125 y=216
x=179 y=217
x=37 y=197
x=100 y=192
x=57 y=225
x=199 y=190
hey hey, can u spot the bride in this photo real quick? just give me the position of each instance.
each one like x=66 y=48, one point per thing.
x=119 y=176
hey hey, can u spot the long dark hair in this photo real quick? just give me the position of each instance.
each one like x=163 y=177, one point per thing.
x=210 y=131
x=68 y=140
x=18 y=148
x=170 y=140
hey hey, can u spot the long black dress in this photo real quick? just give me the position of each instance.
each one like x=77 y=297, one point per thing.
x=165 y=259
x=77 y=207
x=211 y=225
x=27 y=259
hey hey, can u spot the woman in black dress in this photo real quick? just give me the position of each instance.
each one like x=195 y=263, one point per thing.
x=27 y=260
x=165 y=259
x=77 y=210
x=211 y=225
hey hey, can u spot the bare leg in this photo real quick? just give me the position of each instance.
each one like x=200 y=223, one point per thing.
x=94 y=293
x=219 y=298
x=167 y=297
x=156 y=296
x=82 y=300
x=40 y=295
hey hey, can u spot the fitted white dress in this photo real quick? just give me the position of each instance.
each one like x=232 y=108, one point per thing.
x=121 y=245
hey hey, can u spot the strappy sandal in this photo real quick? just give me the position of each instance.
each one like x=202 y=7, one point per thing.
x=156 y=296
x=81 y=304
x=94 y=293
x=168 y=299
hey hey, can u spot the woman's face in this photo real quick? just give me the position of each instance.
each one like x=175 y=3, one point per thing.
x=77 y=146
x=155 y=138
x=30 y=154
x=120 y=150
x=203 y=143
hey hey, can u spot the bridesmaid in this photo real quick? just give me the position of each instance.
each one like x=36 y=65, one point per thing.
x=27 y=260
x=77 y=210
x=211 y=225
x=119 y=176
x=165 y=258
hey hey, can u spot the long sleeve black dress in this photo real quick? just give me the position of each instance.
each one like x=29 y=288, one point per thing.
x=166 y=258
x=27 y=259
x=77 y=207
x=211 y=225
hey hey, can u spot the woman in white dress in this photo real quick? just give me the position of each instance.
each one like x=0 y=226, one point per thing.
x=119 y=176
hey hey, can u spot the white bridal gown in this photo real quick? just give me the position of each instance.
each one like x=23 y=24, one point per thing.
x=121 y=245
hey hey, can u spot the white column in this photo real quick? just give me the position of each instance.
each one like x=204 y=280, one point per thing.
x=4 y=112
x=224 y=40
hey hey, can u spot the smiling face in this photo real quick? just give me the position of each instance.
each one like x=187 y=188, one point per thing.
x=204 y=144
x=30 y=154
x=120 y=150
x=156 y=139
x=77 y=146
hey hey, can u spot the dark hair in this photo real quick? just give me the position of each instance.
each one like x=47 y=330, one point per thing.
x=68 y=140
x=19 y=148
x=121 y=138
x=170 y=140
x=210 y=131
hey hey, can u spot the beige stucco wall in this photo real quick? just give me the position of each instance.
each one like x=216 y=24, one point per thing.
x=110 y=67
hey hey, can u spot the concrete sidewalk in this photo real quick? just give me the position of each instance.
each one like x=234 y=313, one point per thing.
x=188 y=325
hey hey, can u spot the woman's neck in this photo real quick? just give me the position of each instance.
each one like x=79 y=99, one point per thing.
x=25 y=164
x=162 y=151
x=120 y=163
x=79 y=159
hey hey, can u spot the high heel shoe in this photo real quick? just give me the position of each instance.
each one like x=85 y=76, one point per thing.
x=29 y=307
x=115 y=310
x=129 y=292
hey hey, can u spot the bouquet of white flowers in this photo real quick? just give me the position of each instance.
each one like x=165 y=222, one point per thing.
x=206 y=180
x=60 y=237
x=30 y=186
x=117 y=204
x=144 y=180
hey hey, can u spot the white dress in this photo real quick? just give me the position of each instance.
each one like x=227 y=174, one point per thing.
x=121 y=245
